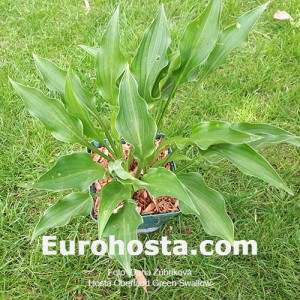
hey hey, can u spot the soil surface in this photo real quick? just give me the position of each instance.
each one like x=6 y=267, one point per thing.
x=146 y=204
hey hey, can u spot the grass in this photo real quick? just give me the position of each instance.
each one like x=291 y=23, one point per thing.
x=259 y=83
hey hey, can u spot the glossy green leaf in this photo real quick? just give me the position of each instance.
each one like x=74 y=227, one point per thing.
x=112 y=194
x=198 y=41
x=152 y=55
x=251 y=163
x=86 y=98
x=110 y=62
x=206 y=134
x=74 y=171
x=90 y=50
x=194 y=196
x=133 y=121
x=123 y=225
x=270 y=135
x=79 y=101
x=60 y=214
x=178 y=141
x=164 y=84
x=232 y=37
x=52 y=113
x=54 y=77
x=115 y=168
x=162 y=182
x=210 y=206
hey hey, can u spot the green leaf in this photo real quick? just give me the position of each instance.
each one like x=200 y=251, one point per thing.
x=112 y=194
x=206 y=134
x=163 y=85
x=152 y=55
x=79 y=101
x=110 y=62
x=90 y=50
x=194 y=196
x=52 y=114
x=269 y=134
x=179 y=156
x=115 y=168
x=162 y=182
x=198 y=41
x=133 y=121
x=54 y=77
x=60 y=214
x=178 y=141
x=251 y=163
x=232 y=37
x=86 y=98
x=123 y=225
x=74 y=171
x=210 y=206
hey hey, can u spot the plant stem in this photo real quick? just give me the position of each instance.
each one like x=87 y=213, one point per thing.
x=139 y=169
x=201 y=78
x=161 y=115
x=158 y=111
x=96 y=150
x=117 y=154
x=165 y=160
x=129 y=160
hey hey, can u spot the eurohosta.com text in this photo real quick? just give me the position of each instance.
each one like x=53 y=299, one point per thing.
x=152 y=247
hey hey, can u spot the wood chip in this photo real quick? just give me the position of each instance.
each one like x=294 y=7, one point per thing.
x=149 y=209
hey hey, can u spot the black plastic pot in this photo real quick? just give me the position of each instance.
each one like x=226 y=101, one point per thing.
x=151 y=222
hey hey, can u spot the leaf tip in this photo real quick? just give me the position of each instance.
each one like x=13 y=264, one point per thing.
x=116 y=13
x=13 y=83
x=35 y=58
x=288 y=190
x=34 y=235
x=25 y=185
x=10 y=80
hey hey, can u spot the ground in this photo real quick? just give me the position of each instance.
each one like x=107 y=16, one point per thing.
x=260 y=83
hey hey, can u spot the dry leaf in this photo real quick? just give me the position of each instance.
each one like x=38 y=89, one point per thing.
x=282 y=16
x=87 y=6
x=141 y=279
x=186 y=231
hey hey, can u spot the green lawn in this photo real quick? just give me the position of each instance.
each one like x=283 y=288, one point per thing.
x=260 y=83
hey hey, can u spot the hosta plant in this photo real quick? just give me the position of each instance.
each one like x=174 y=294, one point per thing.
x=138 y=93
